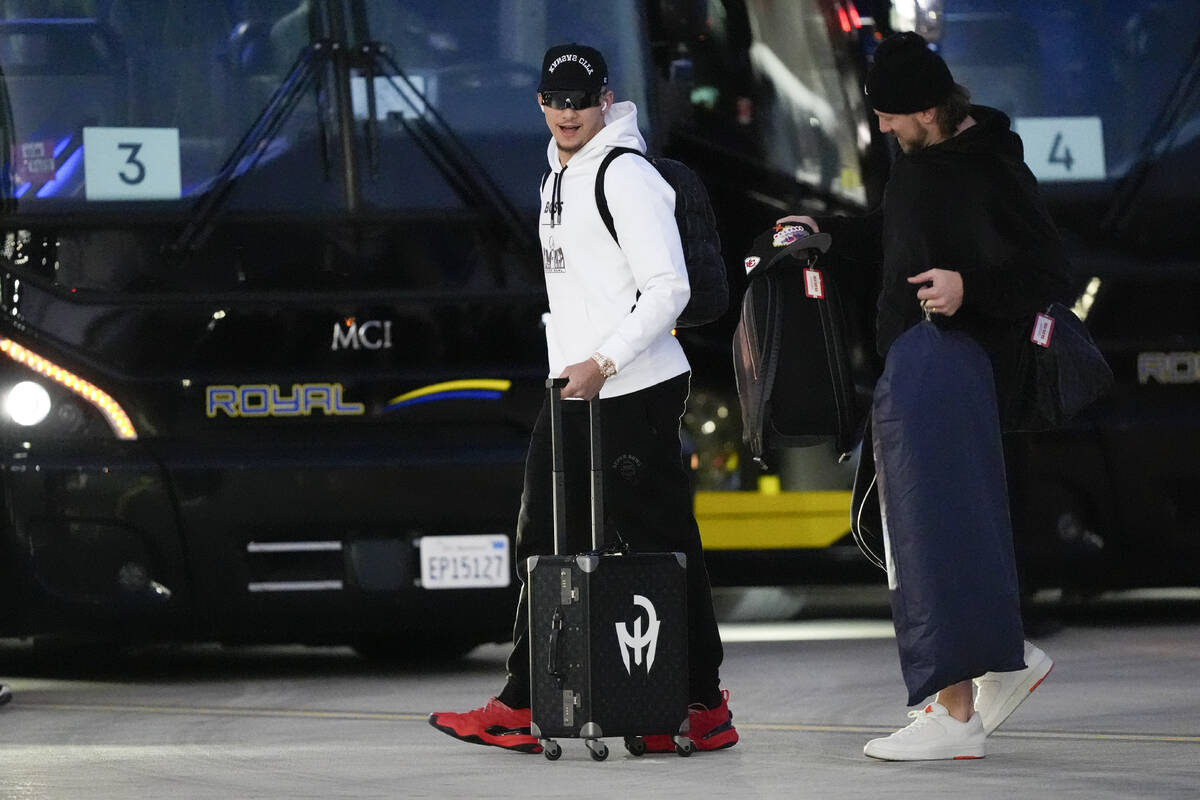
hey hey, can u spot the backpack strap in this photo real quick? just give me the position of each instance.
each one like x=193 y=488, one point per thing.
x=601 y=201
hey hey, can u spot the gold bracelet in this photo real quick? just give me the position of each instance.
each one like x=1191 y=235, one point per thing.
x=607 y=367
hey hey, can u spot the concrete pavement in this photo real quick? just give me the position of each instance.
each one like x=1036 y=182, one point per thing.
x=1119 y=717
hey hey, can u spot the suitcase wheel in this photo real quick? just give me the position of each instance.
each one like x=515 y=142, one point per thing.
x=684 y=746
x=597 y=748
x=551 y=749
x=635 y=745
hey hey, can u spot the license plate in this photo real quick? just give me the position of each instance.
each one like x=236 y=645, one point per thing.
x=464 y=562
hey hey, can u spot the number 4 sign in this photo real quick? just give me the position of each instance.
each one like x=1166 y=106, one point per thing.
x=1063 y=148
x=131 y=163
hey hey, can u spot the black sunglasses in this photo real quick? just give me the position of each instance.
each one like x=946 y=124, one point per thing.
x=577 y=99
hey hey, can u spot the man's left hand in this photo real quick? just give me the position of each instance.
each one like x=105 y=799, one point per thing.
x=942 y=292
x=583 y=380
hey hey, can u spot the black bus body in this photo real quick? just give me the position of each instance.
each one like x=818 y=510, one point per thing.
x=272 y=314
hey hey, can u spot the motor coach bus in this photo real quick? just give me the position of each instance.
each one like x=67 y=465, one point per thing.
x=272 y=312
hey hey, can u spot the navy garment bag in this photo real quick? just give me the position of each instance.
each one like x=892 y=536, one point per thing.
x=944 y=499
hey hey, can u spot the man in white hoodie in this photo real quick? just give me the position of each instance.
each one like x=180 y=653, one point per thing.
x=610 y=334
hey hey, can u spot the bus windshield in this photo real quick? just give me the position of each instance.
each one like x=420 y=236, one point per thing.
x=1094 y=88
x=128 y=114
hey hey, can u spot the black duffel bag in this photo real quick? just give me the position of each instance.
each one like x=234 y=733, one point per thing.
x=1059 y=372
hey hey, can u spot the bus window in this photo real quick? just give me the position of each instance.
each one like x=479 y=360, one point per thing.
x=60 y=76
x=771 y=82
x=479 y=66
x=1116 y=62
x=1105 y=98
x=164 y=92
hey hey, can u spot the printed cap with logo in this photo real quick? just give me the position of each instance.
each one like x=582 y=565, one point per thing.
x=789 y=240
x=573 y=66
x=907 y=76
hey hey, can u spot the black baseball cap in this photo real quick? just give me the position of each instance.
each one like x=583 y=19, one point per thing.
x=788 y=240
x=573 y=66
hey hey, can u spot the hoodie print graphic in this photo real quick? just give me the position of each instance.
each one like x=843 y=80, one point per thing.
x=552 y=258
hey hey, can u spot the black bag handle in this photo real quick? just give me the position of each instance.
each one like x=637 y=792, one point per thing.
x=552 y=667
x=553 y=387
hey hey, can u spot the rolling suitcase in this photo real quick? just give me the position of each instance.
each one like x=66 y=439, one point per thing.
x=607 y=630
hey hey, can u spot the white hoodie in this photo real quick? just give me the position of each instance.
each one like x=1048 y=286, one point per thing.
x=593 y=283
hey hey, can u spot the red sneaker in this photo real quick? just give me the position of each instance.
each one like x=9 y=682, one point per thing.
x=708 y=728
x=495 y=724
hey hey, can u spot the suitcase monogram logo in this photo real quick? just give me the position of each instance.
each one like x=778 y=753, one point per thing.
x=635 y=641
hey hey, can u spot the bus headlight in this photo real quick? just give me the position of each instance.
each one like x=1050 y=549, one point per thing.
x=27 y=403
x=86 y=391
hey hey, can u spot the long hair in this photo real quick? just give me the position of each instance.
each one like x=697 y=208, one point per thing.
x=953 y=110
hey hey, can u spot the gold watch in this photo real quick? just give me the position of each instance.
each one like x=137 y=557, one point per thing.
x=607 y=367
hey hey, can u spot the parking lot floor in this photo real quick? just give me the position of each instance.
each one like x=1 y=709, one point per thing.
x=1119 y=717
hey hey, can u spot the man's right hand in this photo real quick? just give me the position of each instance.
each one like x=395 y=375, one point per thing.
x=803 y=220
x=584 y=380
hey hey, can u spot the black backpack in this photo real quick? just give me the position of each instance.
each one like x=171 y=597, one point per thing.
x=797 y=354
x=697 y=232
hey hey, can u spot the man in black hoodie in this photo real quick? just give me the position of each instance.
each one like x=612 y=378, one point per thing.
x=962 y=238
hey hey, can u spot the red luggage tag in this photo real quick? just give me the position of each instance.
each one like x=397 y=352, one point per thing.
x=1043 y=330
x=814 y=284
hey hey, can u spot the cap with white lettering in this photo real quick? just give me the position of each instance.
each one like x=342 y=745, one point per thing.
x=573 y=66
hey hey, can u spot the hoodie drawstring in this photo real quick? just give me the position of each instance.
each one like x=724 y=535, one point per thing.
x=556 y=198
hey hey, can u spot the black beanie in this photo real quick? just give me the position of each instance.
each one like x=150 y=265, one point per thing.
x=907 y=76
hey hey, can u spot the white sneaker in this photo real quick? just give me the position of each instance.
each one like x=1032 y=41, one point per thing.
x=933 y=734
x=997 y=694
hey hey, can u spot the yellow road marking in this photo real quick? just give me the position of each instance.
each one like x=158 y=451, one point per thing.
x=378 y=716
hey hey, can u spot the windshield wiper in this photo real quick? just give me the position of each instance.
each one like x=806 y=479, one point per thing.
x=454 y=160
x=8 y=147
x=1159 y=141
x=253 y=144
x=468 y=178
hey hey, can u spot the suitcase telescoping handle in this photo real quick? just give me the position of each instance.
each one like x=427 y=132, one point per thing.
x=553 y=389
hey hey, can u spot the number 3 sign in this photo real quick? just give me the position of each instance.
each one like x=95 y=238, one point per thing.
x=131 y=163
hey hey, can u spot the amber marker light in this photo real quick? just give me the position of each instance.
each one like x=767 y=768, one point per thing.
x=117 y=419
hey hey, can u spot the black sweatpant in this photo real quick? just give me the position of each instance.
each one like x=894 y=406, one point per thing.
x=647 y=503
